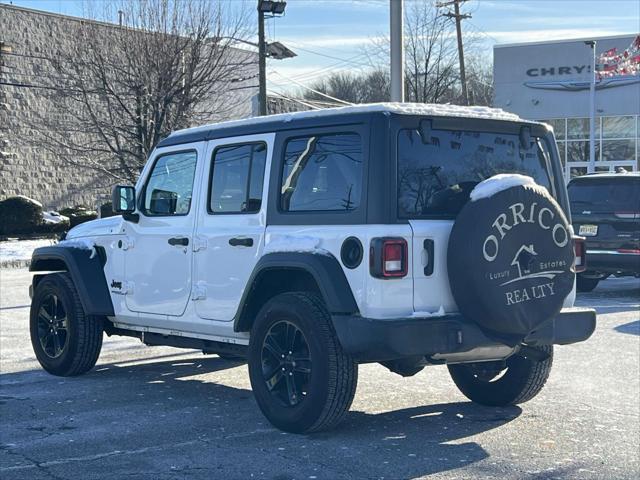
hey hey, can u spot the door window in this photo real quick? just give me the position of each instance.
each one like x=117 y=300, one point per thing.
x=169 y=188
x=322 y=173
x=236 y=178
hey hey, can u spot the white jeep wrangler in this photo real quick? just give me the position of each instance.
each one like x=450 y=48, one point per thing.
x=404 y=234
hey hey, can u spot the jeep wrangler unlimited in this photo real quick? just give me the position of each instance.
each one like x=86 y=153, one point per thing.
x=405 y=234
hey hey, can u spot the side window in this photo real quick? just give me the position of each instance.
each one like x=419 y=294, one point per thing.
x=236 y=178
x=170 y=185
x=322 y=173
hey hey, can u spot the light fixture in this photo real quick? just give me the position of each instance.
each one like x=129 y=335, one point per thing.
x=271 y=6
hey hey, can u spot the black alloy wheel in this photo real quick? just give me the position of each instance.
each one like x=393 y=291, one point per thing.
x=301 y=378
x=65 y=339
x=53 y=326
x=286 y=363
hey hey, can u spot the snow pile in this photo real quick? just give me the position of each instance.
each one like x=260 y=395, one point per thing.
x=422 y=109
x=287 y=243
x=503 y=181
x=439 y=313
x=30 y=200
x=54 y=217
x=80 y=243
x=18 y=252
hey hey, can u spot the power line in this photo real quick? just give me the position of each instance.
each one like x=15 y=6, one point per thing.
x=298 y=47
x=295 y=100
x=313 y=90
x=327 y=69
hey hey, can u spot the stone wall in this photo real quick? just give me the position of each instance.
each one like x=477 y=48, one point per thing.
x=26 y=36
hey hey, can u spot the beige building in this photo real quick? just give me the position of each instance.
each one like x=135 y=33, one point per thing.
x=27 y=39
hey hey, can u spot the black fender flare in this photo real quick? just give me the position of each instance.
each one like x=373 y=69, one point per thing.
x=325 y=270
x=87 y=274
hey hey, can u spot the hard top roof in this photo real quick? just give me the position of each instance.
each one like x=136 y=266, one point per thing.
x=342 y=115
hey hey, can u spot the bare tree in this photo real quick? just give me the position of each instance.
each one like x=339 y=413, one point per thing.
x=119 y=89
x=480 y=80
x=368 y=87
x=431 y=65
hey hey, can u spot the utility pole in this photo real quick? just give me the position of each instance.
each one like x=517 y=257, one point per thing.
x=397 y=51
x=458 y=17
x=262 y=66
x=274 y=8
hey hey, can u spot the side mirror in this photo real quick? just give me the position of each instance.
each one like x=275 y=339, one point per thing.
x=123 y=199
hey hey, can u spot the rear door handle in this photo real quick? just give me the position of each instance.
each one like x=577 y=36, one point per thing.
x=241 y=242
x=181 y=241
x=429 y=257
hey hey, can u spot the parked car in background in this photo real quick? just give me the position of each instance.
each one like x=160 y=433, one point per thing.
x=605 y=208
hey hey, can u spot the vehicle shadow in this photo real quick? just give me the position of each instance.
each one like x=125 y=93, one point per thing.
x=632 y=328
x=198 y=399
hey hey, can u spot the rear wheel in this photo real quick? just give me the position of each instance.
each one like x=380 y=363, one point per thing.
x=587 y=284
x=301 y=378
x=65 y=340
x=516 y=380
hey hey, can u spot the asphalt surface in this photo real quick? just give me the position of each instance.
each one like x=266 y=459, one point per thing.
x=164 y=413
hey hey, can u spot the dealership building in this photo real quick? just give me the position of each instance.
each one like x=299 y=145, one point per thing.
x=550 y=81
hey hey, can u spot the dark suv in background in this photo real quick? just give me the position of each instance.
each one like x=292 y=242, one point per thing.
x=605 y=208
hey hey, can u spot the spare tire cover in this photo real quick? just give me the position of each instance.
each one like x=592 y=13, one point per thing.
x=510 y=261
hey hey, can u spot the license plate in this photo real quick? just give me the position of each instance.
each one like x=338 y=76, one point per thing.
x=588 y=230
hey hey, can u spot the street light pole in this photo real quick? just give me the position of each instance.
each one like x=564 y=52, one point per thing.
x=262 y=66
x=592 y=109
x=397 y=51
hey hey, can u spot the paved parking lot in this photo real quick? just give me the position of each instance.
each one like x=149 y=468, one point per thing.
x=164 y=413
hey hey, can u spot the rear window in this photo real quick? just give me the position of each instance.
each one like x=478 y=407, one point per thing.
x=604 y=195
x=322 y=173
x=436 y=178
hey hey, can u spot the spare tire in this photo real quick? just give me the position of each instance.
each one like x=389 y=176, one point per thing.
x=510 y=261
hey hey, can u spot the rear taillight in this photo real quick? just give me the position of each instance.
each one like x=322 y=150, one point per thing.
x=388 y=257
x=628 y=215
x=580 y=248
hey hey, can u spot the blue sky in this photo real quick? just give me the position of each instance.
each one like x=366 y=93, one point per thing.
x=331 y=35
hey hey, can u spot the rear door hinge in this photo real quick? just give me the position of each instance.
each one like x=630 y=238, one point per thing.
x=128 y=243
x=199 y=291
x=127 y=288
x=199 y=243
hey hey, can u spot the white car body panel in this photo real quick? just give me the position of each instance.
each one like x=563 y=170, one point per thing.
x=195 y=291
x=222 y=271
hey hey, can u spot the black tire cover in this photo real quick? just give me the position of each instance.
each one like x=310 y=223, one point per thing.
x=510 y=261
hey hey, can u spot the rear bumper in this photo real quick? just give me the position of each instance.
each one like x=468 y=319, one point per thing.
x=372 y=340
x=611 y=261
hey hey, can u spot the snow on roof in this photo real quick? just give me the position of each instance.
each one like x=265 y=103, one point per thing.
x=425 y=109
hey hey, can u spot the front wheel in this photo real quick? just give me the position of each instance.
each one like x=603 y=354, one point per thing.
x=65 y=340
x=498 y=384
x=301 y=378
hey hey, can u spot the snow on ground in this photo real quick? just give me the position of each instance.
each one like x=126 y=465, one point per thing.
x=54 y=217
x=18 y=252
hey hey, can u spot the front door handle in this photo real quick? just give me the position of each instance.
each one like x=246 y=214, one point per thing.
x=181 y=241
x=241 y=242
